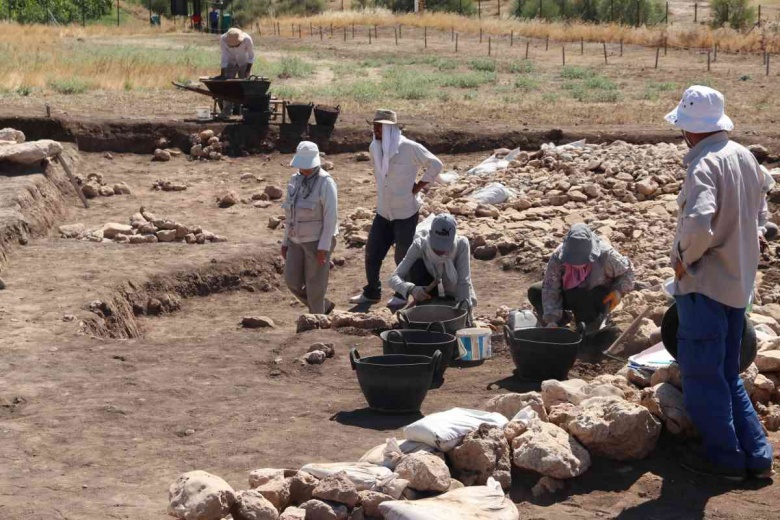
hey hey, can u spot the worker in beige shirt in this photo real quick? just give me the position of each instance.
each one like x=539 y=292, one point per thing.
x=715 y=258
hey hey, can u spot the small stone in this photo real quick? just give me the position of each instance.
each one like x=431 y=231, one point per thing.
x=370 y=501
x=196 y=151
x=205 y=135
x=363 y=157
x=328 y=166
x=315 y=358
x=166 y=235
x=337 y=488
x=190 y=238
x=320 y=510
x=106 y=191
x=274 y=222
x=547 y=486
x=198 y=495
x=90 y=190
x=259 y=477
x=162 y=155
x=327 y=348
x=121 y=188
x=72 y=230
x=487 y=252
x=274 y=192
x=277 y=492
x=251 y=505
x=293 y=513
x=256 y=322
x=229 y=199
x=112 y=230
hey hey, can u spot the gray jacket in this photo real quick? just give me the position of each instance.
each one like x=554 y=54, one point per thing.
x=717 y=224
x=313 y=218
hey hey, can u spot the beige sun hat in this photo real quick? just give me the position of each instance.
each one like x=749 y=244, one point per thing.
x=385 y=117
x=234 y=37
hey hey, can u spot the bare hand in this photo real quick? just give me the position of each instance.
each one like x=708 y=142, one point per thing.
x=322 y=256
x=418 y=186
x=420 y=294
x=284 y=252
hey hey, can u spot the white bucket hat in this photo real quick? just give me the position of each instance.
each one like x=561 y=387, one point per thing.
x=701 y=111
x=307 y=156
x=234 y=37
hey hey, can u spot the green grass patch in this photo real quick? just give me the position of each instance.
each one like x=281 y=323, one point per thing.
x=436 y=62
x=293 y=67
x=483 y=65
x=653 y=90
x=361 y=91
x=69 y=86
x=599 y=83
x=24 y=90
x=519 y=67
x=469 y=79
x=574 y=72
x=527 y=83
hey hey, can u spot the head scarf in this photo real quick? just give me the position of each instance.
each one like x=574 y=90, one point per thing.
x=390 y=143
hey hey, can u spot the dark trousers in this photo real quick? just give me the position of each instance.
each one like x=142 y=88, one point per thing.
x=709 y=344
x=384 y=233
x=586 y=304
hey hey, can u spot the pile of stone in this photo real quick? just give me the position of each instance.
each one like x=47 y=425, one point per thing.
x=168 y=185
x=318 y=353
x=145 y=228
x=207 y=146
x=95 y=186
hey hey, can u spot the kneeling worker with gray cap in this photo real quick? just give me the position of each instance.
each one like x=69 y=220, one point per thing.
x=439 y=255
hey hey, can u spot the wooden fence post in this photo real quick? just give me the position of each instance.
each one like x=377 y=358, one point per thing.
x=490 y=45
x=605 y=53
x=582 y=45
x=709 y=59
x=456 y=44
x=563 y=55
x=547 y=43
x=527 y=48
x=657 y=53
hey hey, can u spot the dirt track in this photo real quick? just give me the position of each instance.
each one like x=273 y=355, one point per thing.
x=101 y=427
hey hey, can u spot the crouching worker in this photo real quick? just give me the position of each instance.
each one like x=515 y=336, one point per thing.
x=437 y=264
x=311 y=210
x=584 y=276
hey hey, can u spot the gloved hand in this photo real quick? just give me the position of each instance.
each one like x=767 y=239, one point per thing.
x=420 y=294
x=612 y=300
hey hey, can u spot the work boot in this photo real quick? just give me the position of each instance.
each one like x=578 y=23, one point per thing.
x=762 y=474
x=701 y=465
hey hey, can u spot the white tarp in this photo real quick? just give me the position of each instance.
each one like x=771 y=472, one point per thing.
x=389 y=453
x=493 y=164
x=493 y=193
x=446 y=430
x=469 y=503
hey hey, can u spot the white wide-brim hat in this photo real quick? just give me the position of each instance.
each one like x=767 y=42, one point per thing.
x=234 y=37
x=701 y=111
x=307 y=156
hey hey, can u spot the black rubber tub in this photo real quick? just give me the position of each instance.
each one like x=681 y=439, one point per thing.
x=326 y=115
x=256 y=117
x=299 y=113
x=541 y=353
x=395 y=383
x=423 y=316
x=422 y=343
x=671 y=323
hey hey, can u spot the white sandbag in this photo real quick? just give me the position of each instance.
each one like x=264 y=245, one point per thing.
x=364 y=475
x=526 y=416
x=468 y=503
x=389 y=453
x=450 y=177
x=446 y=430
x=424 y=227
x=493 y=193
x=493 y=164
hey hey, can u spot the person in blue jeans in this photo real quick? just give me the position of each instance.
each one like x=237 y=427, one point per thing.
x=715 y=257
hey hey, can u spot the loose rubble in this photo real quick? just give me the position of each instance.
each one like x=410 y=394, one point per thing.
x=168 y=185
x=145 y=228
x=95 y=186
x=206 y=146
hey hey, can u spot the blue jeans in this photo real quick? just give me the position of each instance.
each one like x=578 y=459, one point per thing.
x=709 y=344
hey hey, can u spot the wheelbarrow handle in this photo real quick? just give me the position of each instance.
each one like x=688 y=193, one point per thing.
x=354 y=357
x=440 y=324
x=393 y=333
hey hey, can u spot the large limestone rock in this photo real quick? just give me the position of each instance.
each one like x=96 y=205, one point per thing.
x=484 y=453
x=308 y=322
x=277 y=492
x=665 y=401
x=293 y=513
x=381 y=319
x=319 y=510
x=337 y=488
x=668 y=374
x=550 y=451
x=510 y=404
x=199 y=495
x=72 y=230
x=302 y=486
x=251 y=505
x=11 y=134
x=112 y=230
x=31 y=152
x=575 y=391
x=425 y=472
x=616 y=429
x=768 y=361
x=763 y=389
x=370 y=501
x=259 y=477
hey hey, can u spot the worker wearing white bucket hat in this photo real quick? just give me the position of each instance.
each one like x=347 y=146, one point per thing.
x=311 y=226
x=715 y=257
x=238 y=55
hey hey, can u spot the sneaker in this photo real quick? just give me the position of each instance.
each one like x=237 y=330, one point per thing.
x=701 y=465
x=362 y=298
x=396 y=301
x=763 y=474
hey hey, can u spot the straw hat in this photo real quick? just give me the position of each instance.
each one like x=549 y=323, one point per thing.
x=234 y=37
x=385 y=117
x=701 y=111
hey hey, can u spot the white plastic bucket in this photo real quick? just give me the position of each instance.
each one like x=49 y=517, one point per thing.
x=474 y=344
x=203 y=113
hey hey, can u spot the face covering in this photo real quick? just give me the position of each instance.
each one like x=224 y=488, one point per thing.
x=574 y=275
x=687 y=141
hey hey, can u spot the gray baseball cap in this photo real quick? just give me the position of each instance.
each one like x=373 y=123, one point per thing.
x=580 y=246
x=442 y=235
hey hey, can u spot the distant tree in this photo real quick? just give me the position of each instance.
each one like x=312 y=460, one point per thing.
x=736 y=13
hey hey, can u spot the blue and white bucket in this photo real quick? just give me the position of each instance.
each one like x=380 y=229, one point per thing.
x=474 y=344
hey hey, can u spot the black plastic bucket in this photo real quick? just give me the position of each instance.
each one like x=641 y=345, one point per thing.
x=299 y=113
x=671 y=323
x=541 y=353
x=422 y=316
x=395 y=383
x=256 y=117
x=422 y=343
x=325 y=115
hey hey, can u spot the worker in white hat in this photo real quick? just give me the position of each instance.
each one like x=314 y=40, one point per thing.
x=238 y=55
x=715 y=257
x=397 y=162
x=311 y=226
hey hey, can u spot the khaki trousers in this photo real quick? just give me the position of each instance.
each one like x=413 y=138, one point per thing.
x=305 y=277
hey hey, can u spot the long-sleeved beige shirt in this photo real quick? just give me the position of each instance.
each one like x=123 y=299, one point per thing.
x=395 y=200
x=240 y=55
x=717 y=226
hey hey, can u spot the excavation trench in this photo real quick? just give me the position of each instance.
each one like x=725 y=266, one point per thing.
x=115 y=316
